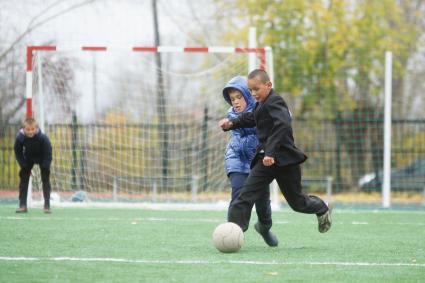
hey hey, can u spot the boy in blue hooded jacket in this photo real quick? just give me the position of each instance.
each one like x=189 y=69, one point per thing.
x=241 y=150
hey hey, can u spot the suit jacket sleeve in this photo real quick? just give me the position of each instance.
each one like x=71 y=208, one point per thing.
x=245 y=120
x=281 y=125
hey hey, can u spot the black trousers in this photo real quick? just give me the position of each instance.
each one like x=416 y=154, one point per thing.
x=289 y=181
x=24 y=176
x=262 y=204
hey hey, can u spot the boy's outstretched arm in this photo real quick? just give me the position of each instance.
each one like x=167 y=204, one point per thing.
x=245 y=120
x=225 y=124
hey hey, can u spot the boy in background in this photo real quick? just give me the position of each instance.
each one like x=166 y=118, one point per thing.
x=239 y=153
x=33 y=147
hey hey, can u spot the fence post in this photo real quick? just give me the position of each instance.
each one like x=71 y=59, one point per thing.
x=115 y=189
x=154 y=191
x=204 y=150
x=74 y=141
x=423 y=196
x=329 y=180
x=194 y=188
x=338 y=130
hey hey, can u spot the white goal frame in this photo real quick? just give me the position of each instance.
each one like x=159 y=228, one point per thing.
x=264 y=55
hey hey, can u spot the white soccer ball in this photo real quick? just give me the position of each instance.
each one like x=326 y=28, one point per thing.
x=228 y=237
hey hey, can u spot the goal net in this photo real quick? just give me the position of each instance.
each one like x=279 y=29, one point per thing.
x=136 y=125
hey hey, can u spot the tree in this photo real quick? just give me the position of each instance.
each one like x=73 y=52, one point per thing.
x=329 y=56
x=12 y=59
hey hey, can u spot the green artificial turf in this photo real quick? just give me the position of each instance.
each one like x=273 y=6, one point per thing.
x=138 y=245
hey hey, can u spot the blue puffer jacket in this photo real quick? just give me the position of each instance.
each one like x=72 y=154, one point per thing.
x=243 y=142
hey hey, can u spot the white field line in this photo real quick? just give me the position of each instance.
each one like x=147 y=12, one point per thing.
x=212 y=262
x=211 y=206
x=91 y=219
x=178 y=219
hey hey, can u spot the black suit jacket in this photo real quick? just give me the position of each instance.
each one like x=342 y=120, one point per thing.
x=273 y=121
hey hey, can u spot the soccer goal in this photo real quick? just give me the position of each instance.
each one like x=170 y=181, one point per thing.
x=135 y=124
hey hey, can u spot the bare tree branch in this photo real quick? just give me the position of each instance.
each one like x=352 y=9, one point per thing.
x=33 y=24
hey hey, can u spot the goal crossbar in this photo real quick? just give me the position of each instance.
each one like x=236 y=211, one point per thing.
x=261 y=53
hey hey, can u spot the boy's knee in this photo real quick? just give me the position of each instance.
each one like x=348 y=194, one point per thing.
x=25 y=173
x=297 y=205
x=45 y=172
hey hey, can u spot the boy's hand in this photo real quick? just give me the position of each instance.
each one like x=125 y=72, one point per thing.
x=268 y=161
x=225 y=124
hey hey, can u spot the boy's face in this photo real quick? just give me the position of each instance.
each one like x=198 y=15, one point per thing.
x=30 y=130
x=258 y=89
x=237 y=99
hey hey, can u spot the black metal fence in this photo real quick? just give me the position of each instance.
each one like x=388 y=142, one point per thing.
x=348 y=150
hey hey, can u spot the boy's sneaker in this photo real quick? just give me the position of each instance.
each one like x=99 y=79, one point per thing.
x=47 y=210
x=267 y=235
x=22 y=209
x=325 y=221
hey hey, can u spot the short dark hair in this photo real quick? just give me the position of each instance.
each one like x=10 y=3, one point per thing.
x=261 y=74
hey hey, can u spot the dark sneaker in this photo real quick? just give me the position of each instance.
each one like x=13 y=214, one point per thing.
x=267 y=235
x=325 y=221
x=22 y=209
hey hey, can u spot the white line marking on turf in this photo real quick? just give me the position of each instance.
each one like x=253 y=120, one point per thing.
x=359 y=223
x=7 y=258
x=206 y=262
x=153 y=219
x=208 y=220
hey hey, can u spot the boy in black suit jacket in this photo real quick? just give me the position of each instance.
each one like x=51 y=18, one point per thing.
x=277 y=157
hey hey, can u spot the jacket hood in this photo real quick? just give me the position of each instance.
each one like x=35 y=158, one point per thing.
x=239 y=83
